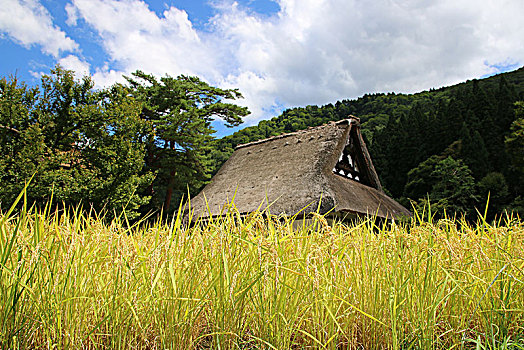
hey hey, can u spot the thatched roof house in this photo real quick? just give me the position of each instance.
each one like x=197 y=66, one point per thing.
x=329 y=164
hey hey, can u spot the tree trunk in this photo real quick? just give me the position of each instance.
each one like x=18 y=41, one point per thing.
x=169 y=192
x=170 y=183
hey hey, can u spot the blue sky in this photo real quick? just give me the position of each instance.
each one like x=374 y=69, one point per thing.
x=279 y=53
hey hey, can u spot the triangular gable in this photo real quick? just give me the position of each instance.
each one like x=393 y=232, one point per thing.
x=355 y=162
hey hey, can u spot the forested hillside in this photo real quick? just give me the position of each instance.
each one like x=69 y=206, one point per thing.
x=454 y=144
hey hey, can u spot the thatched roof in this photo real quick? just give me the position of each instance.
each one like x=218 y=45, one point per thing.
x=292 y=171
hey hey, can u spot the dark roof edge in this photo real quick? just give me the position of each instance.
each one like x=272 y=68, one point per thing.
x=347 y=121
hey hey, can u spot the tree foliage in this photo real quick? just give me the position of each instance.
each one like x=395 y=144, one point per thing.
x=454 y=187
x=81 y=145
x=515 y=140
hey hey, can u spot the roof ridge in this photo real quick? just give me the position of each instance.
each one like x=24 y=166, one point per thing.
x=294 y=133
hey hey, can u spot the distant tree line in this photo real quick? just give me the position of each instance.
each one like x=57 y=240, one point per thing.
x=139 y=146
x=451 y=146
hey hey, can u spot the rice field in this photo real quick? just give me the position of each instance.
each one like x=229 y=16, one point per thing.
x=70 y=280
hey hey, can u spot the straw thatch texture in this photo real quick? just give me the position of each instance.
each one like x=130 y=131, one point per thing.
x=293 y=171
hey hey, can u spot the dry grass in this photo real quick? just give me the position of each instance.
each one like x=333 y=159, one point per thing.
x=68 y=280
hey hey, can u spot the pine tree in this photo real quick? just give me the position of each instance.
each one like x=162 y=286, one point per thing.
x=454 y=189
x=473 y=151
x=515 y=147
x=180 y=111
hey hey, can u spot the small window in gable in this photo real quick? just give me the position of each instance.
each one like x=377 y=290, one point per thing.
x=351 y=163
x=347 y=166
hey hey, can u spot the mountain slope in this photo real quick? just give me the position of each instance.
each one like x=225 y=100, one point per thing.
x=467 y=122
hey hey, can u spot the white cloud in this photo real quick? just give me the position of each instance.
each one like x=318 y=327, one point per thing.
x=106 y=76
x=311 y=51
x=136 y=38
x=29 y=23
x=75 y=64
x=72 y=14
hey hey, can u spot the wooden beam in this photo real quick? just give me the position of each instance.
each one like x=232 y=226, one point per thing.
x=348 y=169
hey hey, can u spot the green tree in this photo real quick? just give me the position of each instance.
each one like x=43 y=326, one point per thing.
x=474 y=153
x=454 y=189
x=446 y=182
x=22 y=145
x=180 y=111
x=495 y=185
x=420 y=180
x=84 y=146
x=515 y=149
x=515 y=140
